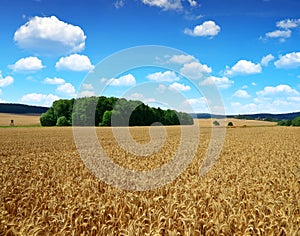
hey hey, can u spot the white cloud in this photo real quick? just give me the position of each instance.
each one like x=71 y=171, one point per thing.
x=253 y=84
x=195 y=70
x=29 y=64
x=290 y=60
x=288 y=23
x=280 y=89
x=140 y=97
x=164 y=4
x=195 y=105
x=244 y=67
x=179 y=87
x=39 y=99
x=87 y=86
x=66 y=88
x=282 y=34
x=86 y=93
x=49 y=35
x=74 y=62
x=119 y=4
x=167 y=76
x=54 y=81
x=244 y=108
x=193 y=3
x=87 y=90
x=182 y=59
x=161 y=88
x=207 y=29
x=267 y=59
x=126 y=80
x=221 y=83
x=8 y=80
x=241 y=94
x=244 y=86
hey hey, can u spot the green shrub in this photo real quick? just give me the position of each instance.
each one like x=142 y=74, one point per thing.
x=230 y=124
x=285 y=123
x=62 y=121
x=216 y=123
x=296 y=121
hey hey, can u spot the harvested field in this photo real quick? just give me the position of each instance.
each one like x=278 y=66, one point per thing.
x=253 y=188
x=19 y=120
x=236 y=122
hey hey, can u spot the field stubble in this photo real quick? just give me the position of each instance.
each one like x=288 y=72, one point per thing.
x=253 y=188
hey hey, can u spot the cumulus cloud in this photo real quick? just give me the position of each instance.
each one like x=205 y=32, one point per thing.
x=54 y=81
x=87 y=90
x=281 y=34
x=5 y=81
x=284 y=29
x=195 y=105
x=193 y=3
x=267 y=59
x=288 y=23
x=290 y=60
x=126 y=80
x=195 y=70
x=241 y=94
x=221 y=83
x=49 y=35
x=74 y=62
x=207 y=29
x=28 y=64
x=280 y=89
x=182 y=59
x=67 y=89
x=179 y=87
x=244 y=67
x=62 y=86
x=167 y=76
x=165 y=4
x=39 y=99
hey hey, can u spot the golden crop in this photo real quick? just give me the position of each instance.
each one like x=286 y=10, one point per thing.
x=253 y=188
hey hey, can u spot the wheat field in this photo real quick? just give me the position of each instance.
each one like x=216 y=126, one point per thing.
x=253 y=188
x=19 y=119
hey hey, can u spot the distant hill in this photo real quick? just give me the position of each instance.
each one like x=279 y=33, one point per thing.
x=259 y=116
x=21 y=109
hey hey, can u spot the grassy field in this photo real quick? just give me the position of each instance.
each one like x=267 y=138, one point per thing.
x=253 y=188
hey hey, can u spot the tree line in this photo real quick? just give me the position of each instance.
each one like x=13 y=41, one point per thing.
x=294 y=122
x=109 y=111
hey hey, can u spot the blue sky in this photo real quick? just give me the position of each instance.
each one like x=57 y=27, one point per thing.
x=249 y=49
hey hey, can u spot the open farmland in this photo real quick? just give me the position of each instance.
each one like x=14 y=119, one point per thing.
x=253 y=188
x=19 y=119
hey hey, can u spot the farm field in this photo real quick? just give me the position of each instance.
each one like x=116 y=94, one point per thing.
x=252 y=189
x=19 y=120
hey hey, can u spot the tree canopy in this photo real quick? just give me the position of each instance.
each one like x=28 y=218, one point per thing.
x=109 y=111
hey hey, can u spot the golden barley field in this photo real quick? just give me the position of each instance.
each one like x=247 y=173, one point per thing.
x=19 y=120
x=252 y=189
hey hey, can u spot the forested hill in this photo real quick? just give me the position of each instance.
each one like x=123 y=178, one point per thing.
x=258 y=116
x=21 y=109
x=109 y=111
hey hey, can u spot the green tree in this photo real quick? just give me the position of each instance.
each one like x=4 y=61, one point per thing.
x=230 y=124
x=216 y=123
x=47 y=118
x=62 y=121
x=106 y=119
x=296 y=121
x=284 y=123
